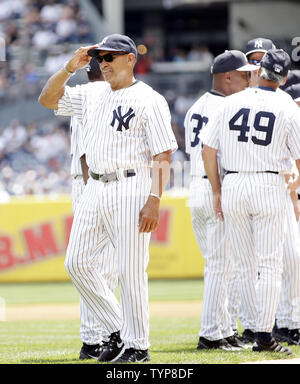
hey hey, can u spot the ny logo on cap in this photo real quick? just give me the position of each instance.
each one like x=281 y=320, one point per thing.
x=122 y=119
x=258 y=43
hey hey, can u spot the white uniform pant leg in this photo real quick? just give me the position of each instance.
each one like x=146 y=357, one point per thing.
x=288 y=311
x=239 y=229
x=90 y=329
x=132 y=250
x=213 y=242
x=87 y=241
x=233 y=293
x=269 y=225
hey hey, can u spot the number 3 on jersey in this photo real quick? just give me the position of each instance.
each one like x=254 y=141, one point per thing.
x=244 y=128
x=200 y=121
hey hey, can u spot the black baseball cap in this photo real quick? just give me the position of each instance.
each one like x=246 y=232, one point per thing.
x=93 y=66
x=231 y=61
x=276 y=61
x=114 y=43
x=293 y=78
x=260 y=44
x=294 y=91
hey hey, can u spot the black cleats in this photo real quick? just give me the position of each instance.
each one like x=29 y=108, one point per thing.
x=215 y=344
x=271 y=346
x=132 y=355
x=113 y=348
x=89 y=351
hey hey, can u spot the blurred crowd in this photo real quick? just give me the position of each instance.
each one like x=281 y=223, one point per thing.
x=34 y=30
x=35 y=158
x=40 y=36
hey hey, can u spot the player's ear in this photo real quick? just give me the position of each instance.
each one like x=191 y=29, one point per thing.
x=227 y=76
x=131 y=58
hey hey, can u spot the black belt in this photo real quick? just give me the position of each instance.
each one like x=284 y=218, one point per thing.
x=107 y=177
x=274 y=172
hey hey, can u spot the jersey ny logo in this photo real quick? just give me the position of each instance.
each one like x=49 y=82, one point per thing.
x=122 y=119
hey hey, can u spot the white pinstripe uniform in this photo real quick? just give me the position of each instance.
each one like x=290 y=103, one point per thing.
x=91 y=332
x=288 y=311
x=210 y=232
x=122 y=130
x=256 y=131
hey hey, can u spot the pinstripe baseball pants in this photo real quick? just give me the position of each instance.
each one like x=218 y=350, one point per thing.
x=91 y=332
x=254 y=206
x=288 y=312
x=110 y=212
x=214 y=245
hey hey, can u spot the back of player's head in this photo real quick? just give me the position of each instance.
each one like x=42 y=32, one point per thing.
x=259 y=44
x=233 y=60
x=93 y=70
x=276 y=61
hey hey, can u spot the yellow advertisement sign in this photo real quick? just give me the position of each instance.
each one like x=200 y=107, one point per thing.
x=34 y=235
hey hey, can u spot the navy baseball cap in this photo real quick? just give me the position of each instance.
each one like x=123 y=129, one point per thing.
x=114 y=43
x=259 y=44
x=294 y=91
x=231 y=61
x=276 y=61
x=93 y=66
x=293 y=78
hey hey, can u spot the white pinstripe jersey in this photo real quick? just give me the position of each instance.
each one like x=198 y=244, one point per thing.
x=75 y=144
x=255 y=130
x=196 y=118
x=122 y=129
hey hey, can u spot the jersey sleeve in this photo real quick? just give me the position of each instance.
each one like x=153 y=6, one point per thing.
x=158 y=126
x=209 y=135
x=76 y=137
x=187 y=133
x=294 y=135
x=72 y=102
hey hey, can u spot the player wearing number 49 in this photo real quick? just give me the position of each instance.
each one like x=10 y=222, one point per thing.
x=256 y=133
x=230 y=75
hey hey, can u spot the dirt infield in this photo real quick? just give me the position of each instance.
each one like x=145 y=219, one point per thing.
x=71 y=311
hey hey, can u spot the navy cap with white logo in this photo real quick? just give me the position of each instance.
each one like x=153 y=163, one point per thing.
x=260 y=44
x=231 y=61
x=114 y=43
x=277 y=61
x=294 y=91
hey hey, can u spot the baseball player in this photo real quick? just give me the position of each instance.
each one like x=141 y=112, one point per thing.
x=256 y=133
x=230 y=75
x=126 y=132
x=91 y=334
x=287 y=316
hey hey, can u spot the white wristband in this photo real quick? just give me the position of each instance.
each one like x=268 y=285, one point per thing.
x=68 y=72
x=155 y=195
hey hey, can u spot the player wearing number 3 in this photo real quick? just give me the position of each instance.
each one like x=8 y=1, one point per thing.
x=256 y=133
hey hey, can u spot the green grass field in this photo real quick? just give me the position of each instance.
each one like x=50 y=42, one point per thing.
x=173 y=340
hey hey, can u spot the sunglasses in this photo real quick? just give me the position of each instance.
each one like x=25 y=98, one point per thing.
x=254 y=61
x=109 y=57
